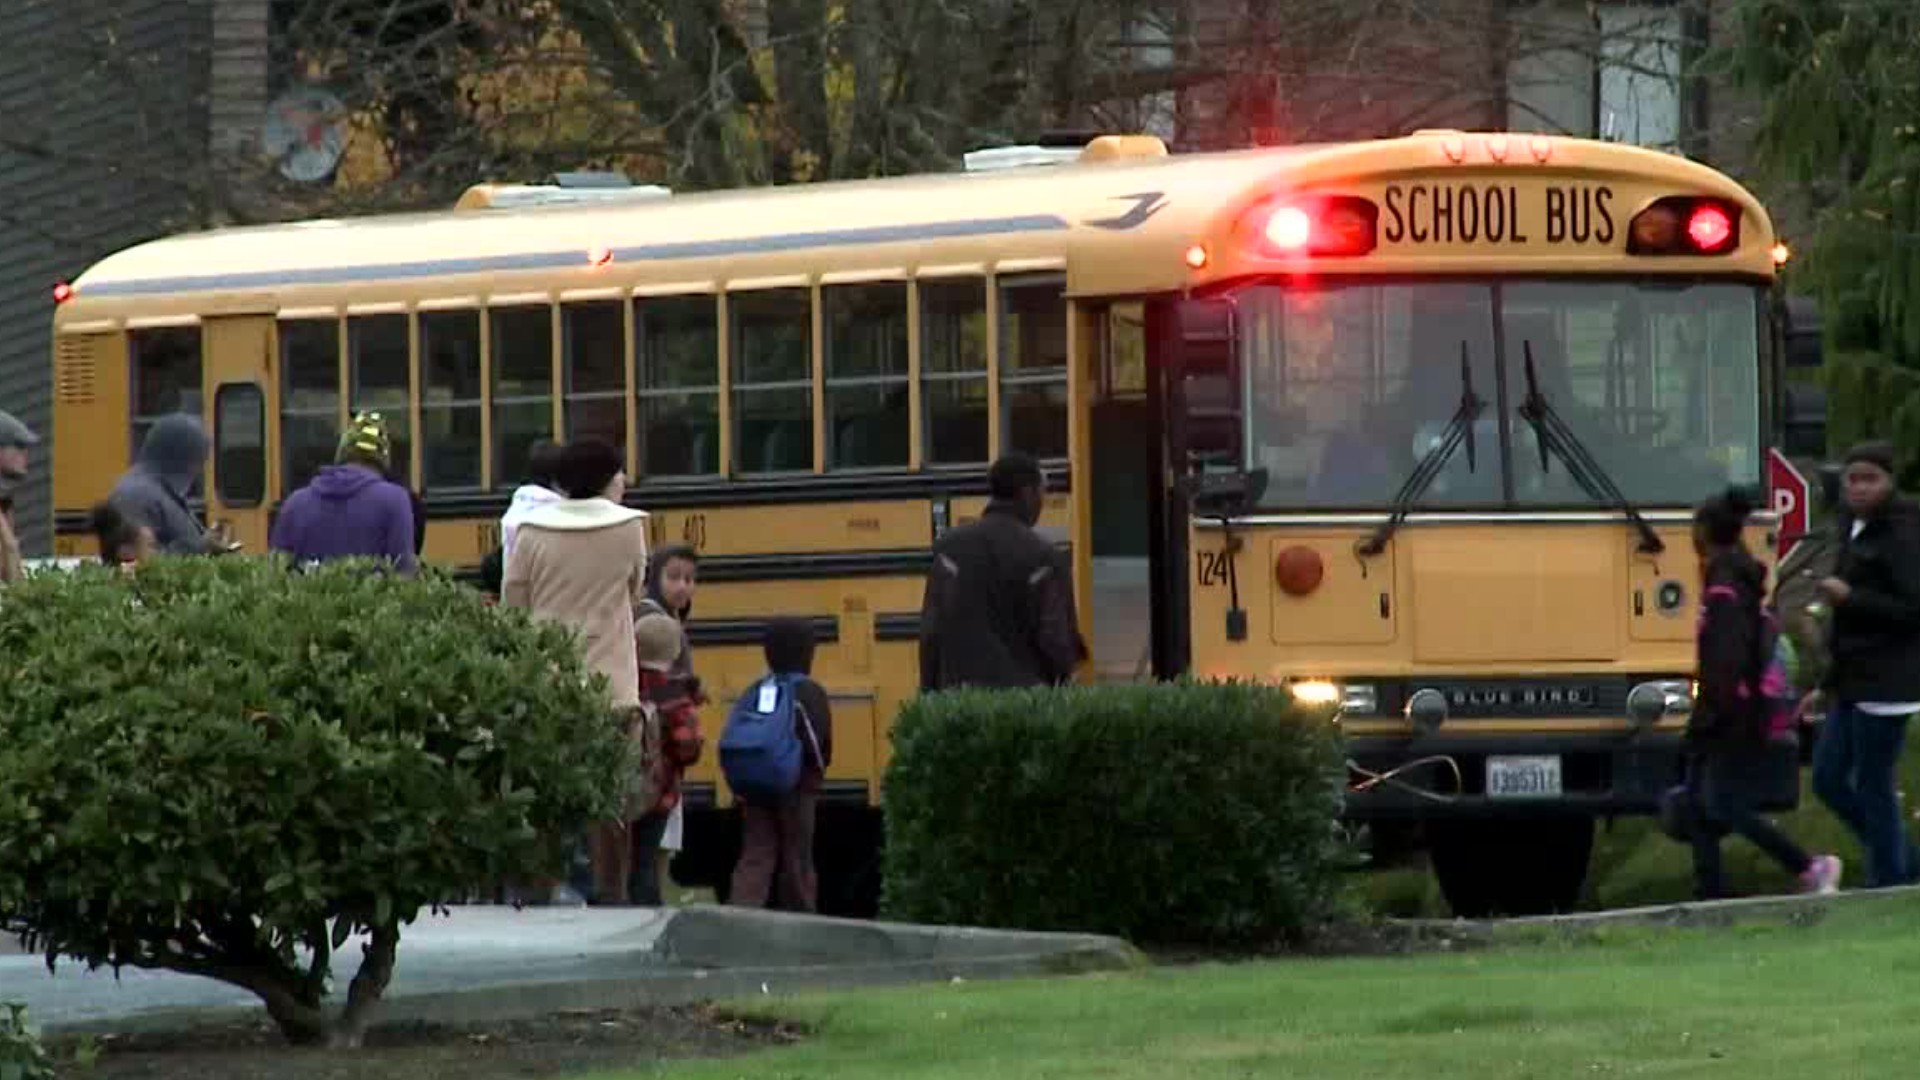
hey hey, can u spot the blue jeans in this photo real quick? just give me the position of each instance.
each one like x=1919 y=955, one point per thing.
x=1856 y=773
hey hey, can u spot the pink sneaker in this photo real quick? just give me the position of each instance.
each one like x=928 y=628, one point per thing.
x=1822 y=876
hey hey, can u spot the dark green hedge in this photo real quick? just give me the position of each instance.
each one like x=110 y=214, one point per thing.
x=1176 y=813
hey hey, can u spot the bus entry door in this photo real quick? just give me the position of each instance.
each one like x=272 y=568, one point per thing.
x=239 y=378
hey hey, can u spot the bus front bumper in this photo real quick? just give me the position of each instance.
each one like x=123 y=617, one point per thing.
x=1528 y=775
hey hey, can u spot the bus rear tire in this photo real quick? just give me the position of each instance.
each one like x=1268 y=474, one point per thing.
x=1524 y=866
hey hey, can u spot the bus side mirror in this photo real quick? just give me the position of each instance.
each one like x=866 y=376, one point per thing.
x=1227 y=494
x=1827 y=485
x=1801 y=332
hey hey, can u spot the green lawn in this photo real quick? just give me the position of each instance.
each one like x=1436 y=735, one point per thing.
x=1633 y=863
x=1840 y=999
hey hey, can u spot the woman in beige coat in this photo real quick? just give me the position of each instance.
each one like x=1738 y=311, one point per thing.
x=582 y=561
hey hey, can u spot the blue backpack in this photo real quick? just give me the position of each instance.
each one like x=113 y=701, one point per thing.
x=761 y=755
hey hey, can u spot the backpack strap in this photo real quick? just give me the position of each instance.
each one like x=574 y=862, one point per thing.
x=791 y=685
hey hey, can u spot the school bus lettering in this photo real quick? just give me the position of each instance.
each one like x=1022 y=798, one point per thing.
x=693 y=531
x=1579 y=215
x=1497 y=214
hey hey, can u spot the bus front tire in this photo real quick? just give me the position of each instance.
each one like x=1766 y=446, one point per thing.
x=1522 y=866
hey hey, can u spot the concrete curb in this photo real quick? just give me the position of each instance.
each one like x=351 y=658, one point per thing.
x=1789 y=909
x=705 y=936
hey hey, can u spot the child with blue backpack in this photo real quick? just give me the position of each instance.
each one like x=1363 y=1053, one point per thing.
x=774 y=752
x=1743 y=703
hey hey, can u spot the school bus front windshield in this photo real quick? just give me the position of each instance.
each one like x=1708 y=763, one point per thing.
x=1349 y=385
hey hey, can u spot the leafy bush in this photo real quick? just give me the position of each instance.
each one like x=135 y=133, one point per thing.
x=1178 y=813
x=22 y=1057
x=224 y=768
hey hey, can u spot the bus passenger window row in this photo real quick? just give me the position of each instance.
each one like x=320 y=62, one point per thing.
x=496 y=368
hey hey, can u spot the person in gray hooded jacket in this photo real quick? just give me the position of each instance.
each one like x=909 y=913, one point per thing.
x=155 y=490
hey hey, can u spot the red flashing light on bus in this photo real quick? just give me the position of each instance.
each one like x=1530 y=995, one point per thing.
x=599 y=255
x=1196 y=257
x=1709 y=227
x=62 y=293
x=1289 y=228
x=1685 y=226
x=1338 y=225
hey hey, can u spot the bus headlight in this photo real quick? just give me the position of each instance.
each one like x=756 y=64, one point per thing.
x=1652 y=702
x=1315 y=692
x=1354 y=699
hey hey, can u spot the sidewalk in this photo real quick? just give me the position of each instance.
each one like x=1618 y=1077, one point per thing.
x=484 y=963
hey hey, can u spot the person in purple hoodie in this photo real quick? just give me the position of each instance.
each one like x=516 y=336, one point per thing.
x=350 y=509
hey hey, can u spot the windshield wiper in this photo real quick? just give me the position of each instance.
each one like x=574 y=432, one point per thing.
x=1552 y=433
x=1458 y=430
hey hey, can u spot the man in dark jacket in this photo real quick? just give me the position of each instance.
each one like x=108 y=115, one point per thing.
x=999 y=603
x=351 y=509
x=1874 y=674
x=172 y=459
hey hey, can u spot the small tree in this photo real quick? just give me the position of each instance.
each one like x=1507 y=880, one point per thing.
x=222 y=768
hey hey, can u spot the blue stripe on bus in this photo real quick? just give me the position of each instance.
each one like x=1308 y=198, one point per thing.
x=574 y=258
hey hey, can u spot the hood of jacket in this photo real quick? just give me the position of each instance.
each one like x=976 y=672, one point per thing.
x=175 y=450
x=1740 y=570
x=526 y=499
x=338 y=483
x=581 y=515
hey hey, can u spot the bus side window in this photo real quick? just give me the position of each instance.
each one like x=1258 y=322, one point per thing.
x=953 y=370
x=309 y=398
x=450 y=376
x=1033 y=366
x=866 y=370
x=594 y=340
x=240 y=445
x=166 y=375
x=378 y=381
x=520 y=362
x=772 y=380
x=677 y=339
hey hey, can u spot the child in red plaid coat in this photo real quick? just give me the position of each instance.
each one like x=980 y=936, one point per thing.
x=657 y=642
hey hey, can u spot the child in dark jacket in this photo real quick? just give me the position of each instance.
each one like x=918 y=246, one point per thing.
x=1728 y=731
x=778 y=838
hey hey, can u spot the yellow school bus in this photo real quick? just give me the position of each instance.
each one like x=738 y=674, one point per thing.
x=1414 y=424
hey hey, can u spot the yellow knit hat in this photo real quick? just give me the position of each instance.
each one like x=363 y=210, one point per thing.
x=366 y=439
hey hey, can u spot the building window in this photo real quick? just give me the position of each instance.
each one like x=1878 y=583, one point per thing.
x=522 y=361
x=867 y=407
x=166 y=375
x=1033 y=366
x=377 y=355
x=772 y=380
x=595 y=340
x=678 y=342
x=450 y=407
x=309 y=398
x=953 y=371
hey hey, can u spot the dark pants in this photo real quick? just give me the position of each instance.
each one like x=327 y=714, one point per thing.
x=1723 y=787
x=624 y=869
x=1856 y=767
x=643 y=877
x=777 y=841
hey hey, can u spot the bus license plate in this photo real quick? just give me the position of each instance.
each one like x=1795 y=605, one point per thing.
x=1523 y=777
